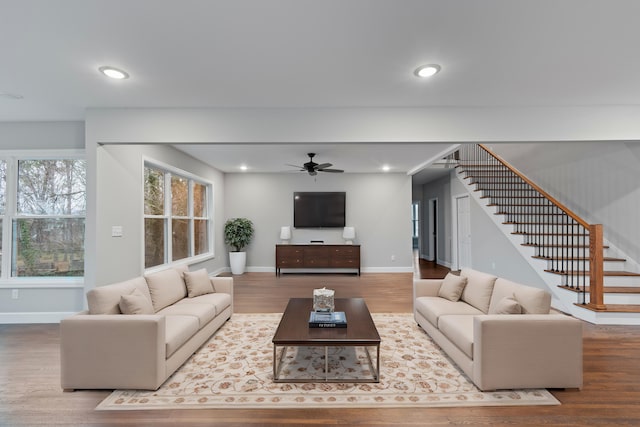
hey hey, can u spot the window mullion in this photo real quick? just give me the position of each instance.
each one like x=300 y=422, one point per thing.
x=168 y=212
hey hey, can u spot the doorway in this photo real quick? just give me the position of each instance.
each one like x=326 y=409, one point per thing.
x=433 y=231
x=462 y=232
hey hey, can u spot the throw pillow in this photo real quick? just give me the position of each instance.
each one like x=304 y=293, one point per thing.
x=452 y=287
x=136 y=303
x=507 y=305
x=198 y=282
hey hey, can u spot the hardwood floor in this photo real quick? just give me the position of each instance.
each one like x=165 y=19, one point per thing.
x=30 y=392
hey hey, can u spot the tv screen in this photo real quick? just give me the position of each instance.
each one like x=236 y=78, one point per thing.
x=319 y=209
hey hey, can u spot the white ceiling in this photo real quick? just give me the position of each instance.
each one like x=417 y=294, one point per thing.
x=310 y=53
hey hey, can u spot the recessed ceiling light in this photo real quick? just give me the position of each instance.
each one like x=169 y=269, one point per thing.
x=425 y=71
x=114 y=73
x=244 y=167
x=386 y=168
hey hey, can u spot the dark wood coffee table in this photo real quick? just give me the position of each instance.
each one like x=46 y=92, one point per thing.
x=294 y=331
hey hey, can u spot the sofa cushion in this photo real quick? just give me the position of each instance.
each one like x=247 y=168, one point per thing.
x=181 y=269
x=507 y=305
x=478 y=290
x=178 y=330
x=459 y=330
x=198 y=283
x=434 y=307
x=219 y=300
x=106 y=299
x=532 y=300
x=166 y=287
x=203 y=312
x=452 y=287
x=136 y=303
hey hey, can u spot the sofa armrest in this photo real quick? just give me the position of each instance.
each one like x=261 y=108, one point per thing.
x=223 y=285
x=527 y=351
x=112 y=351
x=426 y=287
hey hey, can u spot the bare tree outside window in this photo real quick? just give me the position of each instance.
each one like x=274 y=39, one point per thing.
x=48 y=229
x=182 y=214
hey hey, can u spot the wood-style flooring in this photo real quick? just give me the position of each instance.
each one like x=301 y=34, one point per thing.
x=30 y=393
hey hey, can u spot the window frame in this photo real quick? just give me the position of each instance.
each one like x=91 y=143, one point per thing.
x=170 y=171
x=12 y=158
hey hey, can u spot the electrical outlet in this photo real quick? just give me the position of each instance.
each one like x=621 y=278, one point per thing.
x=393 y=257
x=493 y=265
x=15 y=293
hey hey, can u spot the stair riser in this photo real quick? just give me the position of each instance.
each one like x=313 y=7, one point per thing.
x=584 y=265
x=628 y=299
x=626 y=281
x=557 y=240
x=548 y=228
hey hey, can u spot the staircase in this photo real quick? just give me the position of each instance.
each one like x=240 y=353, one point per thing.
x=568 y=253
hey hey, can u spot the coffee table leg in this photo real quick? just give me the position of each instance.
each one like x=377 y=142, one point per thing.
x=326 y=363
x=376 y=370
x=277 y=362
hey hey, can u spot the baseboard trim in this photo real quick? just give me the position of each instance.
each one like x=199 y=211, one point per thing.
x=321 y=270
x=33 y=317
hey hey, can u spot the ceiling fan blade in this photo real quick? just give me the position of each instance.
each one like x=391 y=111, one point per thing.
x=331 y=170
x=294 y=166
x=323 y=166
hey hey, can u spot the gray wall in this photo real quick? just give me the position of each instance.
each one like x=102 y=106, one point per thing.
x=597 y=180
x=377 y=205
x=38 y=302
x=120 y=202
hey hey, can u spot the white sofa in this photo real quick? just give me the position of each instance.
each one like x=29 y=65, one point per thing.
x=169 y=315
x=502 y=334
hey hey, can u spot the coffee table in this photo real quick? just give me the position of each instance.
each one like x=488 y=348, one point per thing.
x=294 y=331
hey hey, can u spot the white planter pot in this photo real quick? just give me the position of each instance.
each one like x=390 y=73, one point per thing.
x=237 y=261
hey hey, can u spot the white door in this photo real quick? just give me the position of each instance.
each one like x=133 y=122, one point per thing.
x=463 y=224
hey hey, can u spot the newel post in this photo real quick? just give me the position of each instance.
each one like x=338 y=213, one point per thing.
x=596 y=267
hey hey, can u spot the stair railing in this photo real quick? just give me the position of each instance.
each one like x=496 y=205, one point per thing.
x=572 y=247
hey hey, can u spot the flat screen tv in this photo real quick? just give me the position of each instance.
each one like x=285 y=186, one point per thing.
x=319 y=209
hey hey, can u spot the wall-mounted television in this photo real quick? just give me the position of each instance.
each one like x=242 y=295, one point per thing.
x=319 y=209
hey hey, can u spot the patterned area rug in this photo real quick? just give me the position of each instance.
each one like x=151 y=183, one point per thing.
x=234 y=370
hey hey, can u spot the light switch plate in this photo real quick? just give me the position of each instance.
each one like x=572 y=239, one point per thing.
x=116 y=231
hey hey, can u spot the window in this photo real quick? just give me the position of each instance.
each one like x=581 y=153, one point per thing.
x=42 y=213
x=176 y=205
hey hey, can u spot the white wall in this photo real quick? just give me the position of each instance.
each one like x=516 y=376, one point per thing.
x=377 y=205
x=597 y=180
x=39 y=302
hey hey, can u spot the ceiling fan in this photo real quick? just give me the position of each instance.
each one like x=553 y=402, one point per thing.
x=313 y=168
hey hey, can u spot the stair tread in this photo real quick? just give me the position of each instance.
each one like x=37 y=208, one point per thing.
x=607 y=289
x=612 y=308
x=534 y=214
x=534 y=223
x=609 y=273
x=523 y=233
x=576 y=259
x=532 y=245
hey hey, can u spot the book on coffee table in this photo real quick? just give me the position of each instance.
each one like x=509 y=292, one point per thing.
x=326 y=319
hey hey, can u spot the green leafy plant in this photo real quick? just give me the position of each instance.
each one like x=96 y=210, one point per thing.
x=238 y=233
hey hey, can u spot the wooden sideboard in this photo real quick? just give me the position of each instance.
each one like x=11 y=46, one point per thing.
x=317 y=256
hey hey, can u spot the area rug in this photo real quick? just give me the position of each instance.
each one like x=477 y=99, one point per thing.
x=234 y=370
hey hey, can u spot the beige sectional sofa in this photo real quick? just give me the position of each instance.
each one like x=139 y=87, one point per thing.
x=502 y=334
x=136 y=333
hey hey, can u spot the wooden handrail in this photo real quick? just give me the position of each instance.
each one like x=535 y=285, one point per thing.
x=565 y=209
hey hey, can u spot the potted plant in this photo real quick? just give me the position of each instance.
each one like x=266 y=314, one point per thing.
x=237 y=234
